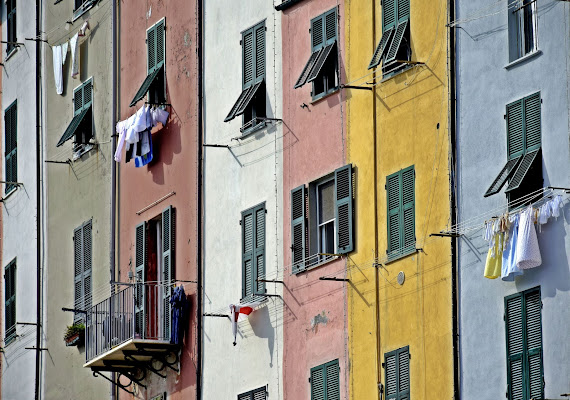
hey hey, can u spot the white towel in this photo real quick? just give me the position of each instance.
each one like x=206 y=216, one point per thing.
x=57 y=71
x=74 y=44
x=64 y=52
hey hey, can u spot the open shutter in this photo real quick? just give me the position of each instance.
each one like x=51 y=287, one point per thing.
x=323 y=56
x=332 y=380
x=168 y=227
x=307 y=69
x=259 y=251
x=394 y=211
x=515 y=137
x=151 y=49
x=298 y=228
x=140 y=264
x=87 y=94
x=259 y=394
x=532 y=122
x=403 y=374
x=259 y=52
x=10 y=302
x=317 y=33
x=159 y=44
x=397 y=41
x=381 y=48
x=78 y=100
x=318 y=389
x=344 y=209
x=248 y=58
x=524 y=166
x=87 y=265
x=247 y=253
x=533 y=331
x=11 y=145
x=78 y=272
x=515 y=347
x=408 y=210
x=391 y=379
x=501 y=179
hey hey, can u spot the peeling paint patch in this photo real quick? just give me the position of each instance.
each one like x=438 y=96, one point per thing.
x=321 y=319
x=149 y=13
x=187 y=40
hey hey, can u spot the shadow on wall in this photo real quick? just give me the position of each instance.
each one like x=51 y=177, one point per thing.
x=261 y=325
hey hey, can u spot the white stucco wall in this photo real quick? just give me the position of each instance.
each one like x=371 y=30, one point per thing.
x=235 y=180
x=485 y=86
x=19 y=208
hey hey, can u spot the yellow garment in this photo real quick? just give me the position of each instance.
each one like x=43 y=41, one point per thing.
x=494 y=259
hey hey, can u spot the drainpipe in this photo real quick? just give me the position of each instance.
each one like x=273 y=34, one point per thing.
x=112 y=243
x=453 y=203
x=200 y=188
x=38 y=206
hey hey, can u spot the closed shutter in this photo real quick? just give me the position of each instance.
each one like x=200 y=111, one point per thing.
x=325 y=381
x=10 y=302
x=82 y=265
x=389 y=14
x=403 y=374
x=259 y=251
x=391 y=373
x=318 y=388
x=344 y=209
x=298 y=228
x=247 y=253
x=397 y=374
x=403 y=10
x=533 y=330
x=11 y=145
x=324 y=30
x=394 y=211
x=332 y=380
x=317 y=33
x=87 y=264
x=160 y=44
x=401 y=212
x=151 y=48
x=248 y=57
x=168 y=241
x=78 y=271
x=253 y=256
x=140 y=263
x=259 y=53
x=408 y=210
x=253 y=55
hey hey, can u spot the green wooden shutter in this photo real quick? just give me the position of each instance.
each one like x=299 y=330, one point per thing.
x=344 y=209
x=330 y=27
x=389 y=14
x=140 y=267
x=408 y=239
x=160 y=44
x=259 y=394
x=151 y=49
x=401 y=212
x=394 y=211
x=532 y=122
x=515 y=346
x=391 y=379
x=78 y=100
x=87 y=94
x=332 y=380
x=10 y=302
x=317 y=33
x=403 y=374
x=298 y=228
x=533 y=333
x=397 y=374
x=168 y=234
x=259 y=250
x=78 y=272
x=515 y=136
x=11 y=145
x=87 y=231
x=248 y=58
x=318 y=385
x=403 y=10
x=259 y=52
x=247 y=253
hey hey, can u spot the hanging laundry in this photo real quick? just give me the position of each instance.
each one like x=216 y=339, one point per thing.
x=57 y=69
x=494 y=258
x=528 y=252
x=74 y=44
x=555 y=205
x=509 y=268
x=159 y=115
x=180 y=312
x=84 y=28
x=239 y=313
x=64 y=52
x=146 y=150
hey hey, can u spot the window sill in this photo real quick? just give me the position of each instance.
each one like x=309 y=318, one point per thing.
x=395 y=73
x=10 y=192
x=394 y=258
x=11 y=53
x=522 y=59
x=323 y=96
x=317 y=265
x=251 y=130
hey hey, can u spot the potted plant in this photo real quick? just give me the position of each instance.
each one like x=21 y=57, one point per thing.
x=75 y=334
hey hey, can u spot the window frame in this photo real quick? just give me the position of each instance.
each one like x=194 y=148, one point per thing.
x=517 y=26
x=256 y=107
x=10 y=269
x=393 y=67
x=80 y=148
x=326 y=181
x=326 y=72
x=11 y=152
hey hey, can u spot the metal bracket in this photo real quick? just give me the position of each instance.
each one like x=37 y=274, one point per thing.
x=117 y=383
x=323 y=278
x=270 y=281
x=216 y=315
x=355 y=87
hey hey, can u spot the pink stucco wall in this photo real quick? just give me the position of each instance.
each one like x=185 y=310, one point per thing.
x=315 y=311
x=173 y=168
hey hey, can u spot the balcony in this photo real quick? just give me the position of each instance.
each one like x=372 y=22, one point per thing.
x=129 y=333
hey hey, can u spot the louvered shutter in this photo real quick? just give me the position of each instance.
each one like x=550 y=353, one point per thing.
x=394 y=211
x=151 y=49
x=381 y=48
x=168 y=240
x=87 y=94
x=245 y=396
x=10 y=301
x=259 y=250
x=160 y=44
x=298 y=228
x=403 y=10
x=388 y=14
x=397 y=41
x=408 y=239
x=515 y=135
x=78 y=100
x=317 y=33
x=397 y=374
x=532 y=113
x=259 y=394
x=391 y=379
x=248 y=58
x=259 y=53
x=515 y=347
x=247 y=253
x=87 y=265
x=533 y=331
x=344 y=209
x=332 y=380
x=403 y=374
x=330 y=27
x=78 y=272
x=11 y=145
x=318 y=388
x=140 y=267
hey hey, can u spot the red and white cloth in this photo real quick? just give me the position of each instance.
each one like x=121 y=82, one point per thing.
x=240 y=312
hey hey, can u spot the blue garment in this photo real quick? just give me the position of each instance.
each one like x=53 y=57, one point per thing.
x=510 y=268
x=146 y=149
x=180 y=307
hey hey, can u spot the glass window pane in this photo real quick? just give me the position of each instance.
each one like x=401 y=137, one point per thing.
x=326 y=202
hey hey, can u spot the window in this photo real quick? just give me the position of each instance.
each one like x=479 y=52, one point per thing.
x=11 y=25
x=253 y=251
x=523 y=169
x=81 y=126
x=394 y=48
x=397 y=373
x=322 y=67
x=11 y=146
x=82 y=250
x=155 y=81
x=325 y=381
x=10 y=302
x=523 y=327
x=251 y=101
x=325 y=227
x=401 y=213
x=523 y=21
x=154 y=260
x=257 y=394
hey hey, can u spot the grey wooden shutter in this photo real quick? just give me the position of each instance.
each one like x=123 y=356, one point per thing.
x=344 y=209
x=10 y=302
x=140 y=267
x=332 y=380
x=259 y=250
x=515 y=346
x=533 y=336
x=259 y=52
x=408 y=209
x=394 y=211
x=259 y=394
x=248 y=58
x=397 y=374
x=87 y=264
x=151 y=49
x=168 y=235
x=160 y=43
x=391 y=379
x=318 y=388
x=247 y=253
x=515 y=136
x=298 y=228
x=11 y=145
x=78 y=272
x=317 y=33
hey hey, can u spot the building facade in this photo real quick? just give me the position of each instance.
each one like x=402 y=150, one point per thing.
x=77 y=122
x=318 y=201
x=512 y=150
x=243 y=209
x=400 y=297
x=20 y=207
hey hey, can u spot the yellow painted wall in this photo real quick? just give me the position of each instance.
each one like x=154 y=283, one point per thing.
x=391 y=128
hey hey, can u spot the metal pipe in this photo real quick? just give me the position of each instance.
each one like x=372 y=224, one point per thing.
x=38 y=207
